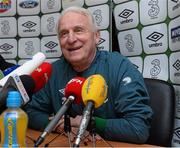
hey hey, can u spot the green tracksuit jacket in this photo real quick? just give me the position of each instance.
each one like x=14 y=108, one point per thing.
x=124 y=116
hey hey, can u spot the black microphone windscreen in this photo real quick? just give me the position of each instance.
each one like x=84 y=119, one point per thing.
x=4 y=65
x=28 y=83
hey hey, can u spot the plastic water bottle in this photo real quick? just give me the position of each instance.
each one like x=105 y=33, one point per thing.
x=13 y=122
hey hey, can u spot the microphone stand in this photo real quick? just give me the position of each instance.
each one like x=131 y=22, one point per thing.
x=54 y=121
x=67 y=127
x=86 y=119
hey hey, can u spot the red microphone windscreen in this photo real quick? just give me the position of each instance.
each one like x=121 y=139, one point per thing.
x=73 y=88
x=41 y=75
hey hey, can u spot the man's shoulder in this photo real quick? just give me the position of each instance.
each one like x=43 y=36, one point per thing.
x=59 y=62
x=112 y=56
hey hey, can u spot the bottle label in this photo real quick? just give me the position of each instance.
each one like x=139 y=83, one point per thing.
x=10 y=121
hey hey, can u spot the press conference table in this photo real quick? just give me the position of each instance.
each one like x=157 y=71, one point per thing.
x=61 y=140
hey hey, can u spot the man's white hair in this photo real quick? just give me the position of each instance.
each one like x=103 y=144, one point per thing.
x=80 y=10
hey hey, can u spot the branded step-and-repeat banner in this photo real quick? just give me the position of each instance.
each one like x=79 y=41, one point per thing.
x=29 y=26
x=148 y=33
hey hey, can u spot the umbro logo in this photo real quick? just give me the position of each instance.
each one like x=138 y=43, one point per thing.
x=126 y=13
x=101 y=40
x=176 y=1
x=176 y=65
x=29 y=24
x=177 y=132
x=51 y=44
x=6 y=46
x=155 y=36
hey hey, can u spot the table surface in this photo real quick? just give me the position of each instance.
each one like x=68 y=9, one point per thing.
x=61 y=140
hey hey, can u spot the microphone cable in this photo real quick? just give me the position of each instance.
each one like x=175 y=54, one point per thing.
x=67 y=127
x=92 y=130
x=57 y=134
x=47 y=144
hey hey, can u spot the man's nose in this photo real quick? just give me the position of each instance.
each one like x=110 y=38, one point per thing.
x=71 y=37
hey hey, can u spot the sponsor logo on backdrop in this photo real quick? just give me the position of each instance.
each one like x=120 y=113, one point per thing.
x=5 y=5
x=29 y=49
x=50 y=45
x=125 y=14
x=130 y=43
x=5 y=27
x=177 y=132
x=69 y=0
x=176 y=1
x=155 y=36
x=156 y=68
x=177 y=4
x=28 y=4
x=154 y=9
x=50 y=4
x=29 y=25
x=6 y=48
x=176 y=7
x=101 y=41
x=51 y=24
x=98 y=16
x=176 y=65
x=175 y=34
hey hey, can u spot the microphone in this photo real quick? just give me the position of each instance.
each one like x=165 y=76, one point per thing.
x=10 y=69
x=72 y=93
x=27 y=68
x=94 y=92
x=4 y=65
x=26 y=84
x=41 y=75
x=74 y=88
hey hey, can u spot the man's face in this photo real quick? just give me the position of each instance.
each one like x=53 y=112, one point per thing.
x=77 y=38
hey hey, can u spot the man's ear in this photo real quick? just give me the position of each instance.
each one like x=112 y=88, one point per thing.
x=97 y=36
